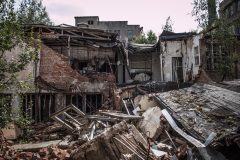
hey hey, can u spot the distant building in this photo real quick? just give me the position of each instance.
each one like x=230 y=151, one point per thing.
x=126 y=32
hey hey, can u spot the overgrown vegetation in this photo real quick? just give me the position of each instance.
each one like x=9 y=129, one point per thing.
x=150 y=38
x=12 y=22
x=220 y=33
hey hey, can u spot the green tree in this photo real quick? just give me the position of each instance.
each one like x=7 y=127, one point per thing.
x=11 y=35
x=151 y=38
x=168 y=25
x=33 y=12
x=140 y=39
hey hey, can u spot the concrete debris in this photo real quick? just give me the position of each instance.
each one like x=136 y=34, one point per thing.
x=152 y=126
x=113 y=143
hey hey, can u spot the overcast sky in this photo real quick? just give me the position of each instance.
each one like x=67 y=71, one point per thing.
x=150 y=14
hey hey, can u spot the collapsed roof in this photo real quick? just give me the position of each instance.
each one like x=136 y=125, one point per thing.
x=134 y=48
x=203 y=109
x=168 y=36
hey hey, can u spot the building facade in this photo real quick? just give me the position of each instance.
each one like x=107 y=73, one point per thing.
x=180 y=56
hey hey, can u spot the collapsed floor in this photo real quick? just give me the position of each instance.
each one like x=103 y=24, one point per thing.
x=200 y=121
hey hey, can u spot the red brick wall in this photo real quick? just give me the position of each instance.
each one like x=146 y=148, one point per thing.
x=55 y=70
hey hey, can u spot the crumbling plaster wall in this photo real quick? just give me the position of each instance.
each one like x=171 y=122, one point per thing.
x=196 y=43
x=27 y=76
x=180 y=48
x=156 y=70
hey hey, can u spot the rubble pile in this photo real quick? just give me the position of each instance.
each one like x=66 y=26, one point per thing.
x=178 y=124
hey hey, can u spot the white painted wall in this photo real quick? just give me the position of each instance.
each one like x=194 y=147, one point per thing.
x=180 y=48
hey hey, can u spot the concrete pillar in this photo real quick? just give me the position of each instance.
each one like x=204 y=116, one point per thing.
x=16 y=108
x=60 y=101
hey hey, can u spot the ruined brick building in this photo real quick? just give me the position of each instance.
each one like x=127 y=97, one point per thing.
x=77 y=66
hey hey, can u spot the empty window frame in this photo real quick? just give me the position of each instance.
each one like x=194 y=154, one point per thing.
x=39 y=107
x=74 y=99
x=93 y=102
x=196 y=56
x=47 y=105
x=130 y=34
x=79 y=65
x=90 y=22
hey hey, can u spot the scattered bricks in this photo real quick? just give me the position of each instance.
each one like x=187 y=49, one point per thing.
x=181 y=151
x=36 y=156
x=10 y=143
x=25 y=155
x=43 y=152
x=50 y=150
x=67 y=156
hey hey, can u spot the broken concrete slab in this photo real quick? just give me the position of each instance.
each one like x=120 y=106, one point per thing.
x=35 y=146
x=145 y=102
x=150 y=125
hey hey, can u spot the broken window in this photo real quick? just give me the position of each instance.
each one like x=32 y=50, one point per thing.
x=39 y=107
x=74 y=99
x=216 y=56
x=177 y=69
x=79 y=65
x=95 y=64
x=196 y=56
x=47 y=106
x=87 y=103
x=105 y=68
x=28 y=105
x=130 y=34
x=90 y=22
x=93 y=102
x=231 y=10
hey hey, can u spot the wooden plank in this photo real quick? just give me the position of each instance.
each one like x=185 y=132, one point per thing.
x=120 y=115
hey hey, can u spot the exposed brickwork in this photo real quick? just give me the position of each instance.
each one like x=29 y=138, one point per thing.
x=55 y=70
